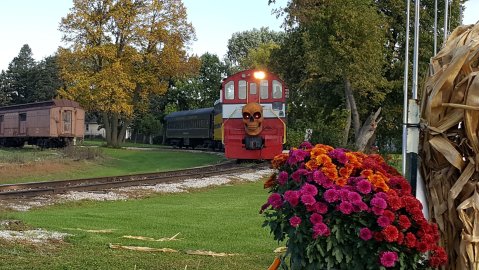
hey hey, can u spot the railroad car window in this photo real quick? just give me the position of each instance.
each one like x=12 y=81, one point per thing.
x=230 y=90
x=242 y=89
x=277 y=89
x=22 y=116
x=263 y=89
x=252 y=88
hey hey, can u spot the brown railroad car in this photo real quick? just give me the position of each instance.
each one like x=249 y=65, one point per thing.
x=53 y=123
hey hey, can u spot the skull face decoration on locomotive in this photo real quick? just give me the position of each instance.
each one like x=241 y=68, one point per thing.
x=253 y=118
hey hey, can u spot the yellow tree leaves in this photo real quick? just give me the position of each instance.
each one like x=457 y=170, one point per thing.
x=121 y=52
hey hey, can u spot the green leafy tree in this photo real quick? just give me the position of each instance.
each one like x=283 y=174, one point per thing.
x=48 y=79
x=121 y=54
x=19 y=80
x=242 y=43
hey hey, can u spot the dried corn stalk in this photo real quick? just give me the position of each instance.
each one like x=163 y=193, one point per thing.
x=449 y=146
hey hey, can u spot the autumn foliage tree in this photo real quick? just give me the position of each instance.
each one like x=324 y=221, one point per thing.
x=121 y=52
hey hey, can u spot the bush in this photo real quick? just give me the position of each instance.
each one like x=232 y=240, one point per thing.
x=82 y=153
x=339 y=209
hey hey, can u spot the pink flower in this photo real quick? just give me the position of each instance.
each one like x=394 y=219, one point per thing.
x=364 y=186
x=354 y=197
x=308 y=189
x=292 y=197
x=297 y=175
x=365 y=234
x=308 y=200
x=321 y=179
x=346 y=207
x=316 y=218
x=389 y=258
x=331 y=195
x=320 y=229
x=377 y=211
x=383 y=221
x=295 y=221
x=378 y=202
x=282 y=178
x=275 y=200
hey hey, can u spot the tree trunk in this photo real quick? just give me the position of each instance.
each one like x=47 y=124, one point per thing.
x=114 y=131
x=367 y=131
x=348 y=91
x=107 y=123
x=347 y=127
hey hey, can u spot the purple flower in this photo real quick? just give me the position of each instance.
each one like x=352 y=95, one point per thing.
x=363 y=186
x=381 y=195
x=377 y=211
x=346 y=207
x=283 y=178
x=339 y=155
x=305 y=145
x=308 y=189
x=320 y=229
x=295 y=221
x=308 y=200
x=383 y=221
x=378 y=202
x=297 y=156
x=292 y=197
x=389 y=258
x=297 y=175
x=331 y=195
x=354 y=197
x=321 y=179
x=365 y=234
x=275 y=200
x=316 y=218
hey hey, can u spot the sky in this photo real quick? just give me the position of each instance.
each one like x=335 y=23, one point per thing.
x=35 y=22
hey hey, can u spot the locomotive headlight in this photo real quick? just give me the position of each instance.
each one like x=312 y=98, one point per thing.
x=259 y=75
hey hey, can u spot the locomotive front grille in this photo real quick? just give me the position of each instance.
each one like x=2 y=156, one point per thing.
x=253 y=143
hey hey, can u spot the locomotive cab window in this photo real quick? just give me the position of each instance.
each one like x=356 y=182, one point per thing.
x=263 y=89
x=277 y=89
x=230 y=90
x=252 y=88
x=242 y=89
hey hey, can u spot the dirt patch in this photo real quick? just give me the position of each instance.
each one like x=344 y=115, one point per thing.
x=38 y=169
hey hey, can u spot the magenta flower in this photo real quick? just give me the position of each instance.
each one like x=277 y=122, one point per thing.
x=308 y=200
x=365 y=234
x=282 y=178
x=346 y=207
x=389 y=258
x=295 y=221
x=377 y=211
x=364 y=186
x=308 y=189
x=378 y=202
x=384 y=221
x=292 y=197
x=321 y=179
x=316 y=218
x=339 y=155
x=354 y=197
x=331 y=195
x=275 y=200
x=320 y=229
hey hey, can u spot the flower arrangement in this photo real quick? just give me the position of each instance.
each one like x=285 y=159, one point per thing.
x=339 y=209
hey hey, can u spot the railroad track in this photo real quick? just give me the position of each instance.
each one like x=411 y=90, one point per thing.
x=103 y=183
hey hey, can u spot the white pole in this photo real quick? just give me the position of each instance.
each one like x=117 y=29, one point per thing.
x=435 y=27
x=416 y=50
x=446 y=18
x=405 y=89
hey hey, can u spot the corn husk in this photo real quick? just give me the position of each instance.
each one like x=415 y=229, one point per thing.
x=449 y=146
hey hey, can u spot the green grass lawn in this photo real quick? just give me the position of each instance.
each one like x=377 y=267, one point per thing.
x=221 y=219
x=27 y=165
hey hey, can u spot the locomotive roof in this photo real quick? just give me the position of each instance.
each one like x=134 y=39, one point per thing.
x=190 y=112
x=48 y=103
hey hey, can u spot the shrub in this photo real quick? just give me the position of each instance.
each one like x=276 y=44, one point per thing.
x=339 y=209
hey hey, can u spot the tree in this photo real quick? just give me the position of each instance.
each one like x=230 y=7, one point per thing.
x=242 y=43
x=18 y=82
x=122 y=52
x=48 y=79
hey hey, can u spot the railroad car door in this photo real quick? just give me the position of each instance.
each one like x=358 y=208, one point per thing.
x=22 y=123
x=67 y=121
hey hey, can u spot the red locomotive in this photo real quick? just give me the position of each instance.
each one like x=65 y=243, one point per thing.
x=253 y=109
x=248 y=121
